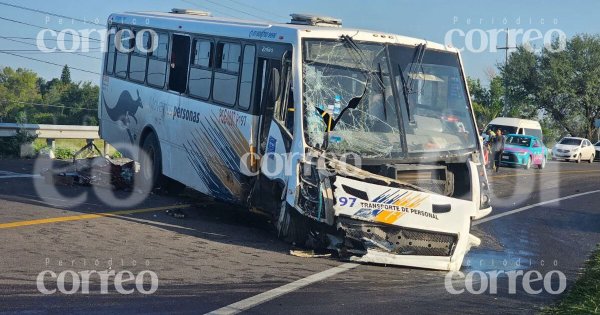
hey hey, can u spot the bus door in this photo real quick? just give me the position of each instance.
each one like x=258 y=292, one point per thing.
x=274 y=136
x=276 y=115
x=177 y=84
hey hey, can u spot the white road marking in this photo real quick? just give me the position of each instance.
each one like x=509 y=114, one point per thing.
x=503 y=214
x=19 y=176
x=261 y=298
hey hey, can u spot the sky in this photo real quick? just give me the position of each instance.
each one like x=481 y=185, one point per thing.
x=475 y=26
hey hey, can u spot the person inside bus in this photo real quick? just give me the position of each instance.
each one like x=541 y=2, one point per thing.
x=173 y=61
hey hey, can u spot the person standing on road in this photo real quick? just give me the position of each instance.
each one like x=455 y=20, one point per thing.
x=497 y=148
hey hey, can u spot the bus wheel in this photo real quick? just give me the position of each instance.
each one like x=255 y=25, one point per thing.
x=292 y=226
x=150 y=162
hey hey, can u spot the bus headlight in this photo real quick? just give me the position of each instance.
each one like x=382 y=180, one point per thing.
x=485 y=199
x=484 y=190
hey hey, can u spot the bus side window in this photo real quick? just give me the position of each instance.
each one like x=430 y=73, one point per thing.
x=201 y=69
x=227 y=67
x=123 y=45
x=180 y=61
x=110 y=54
x=157 y=61
x=246 y=77
x=137 y=63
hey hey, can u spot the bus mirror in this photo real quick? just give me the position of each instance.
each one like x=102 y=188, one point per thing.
x=275 y=80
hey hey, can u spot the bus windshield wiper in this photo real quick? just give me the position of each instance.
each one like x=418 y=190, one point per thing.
x=383 y=100
x=360 y=58
x=405 y=92
x=415 y=65
x=407 y=83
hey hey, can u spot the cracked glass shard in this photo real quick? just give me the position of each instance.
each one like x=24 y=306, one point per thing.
x=333 y=75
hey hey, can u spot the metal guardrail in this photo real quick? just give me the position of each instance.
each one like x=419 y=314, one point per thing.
x=51 y=131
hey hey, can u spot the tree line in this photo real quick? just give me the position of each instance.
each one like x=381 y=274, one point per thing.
x=27 y=98
x=560 y=88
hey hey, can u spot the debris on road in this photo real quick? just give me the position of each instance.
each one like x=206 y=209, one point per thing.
x=307 y=253
x=176 y=213
x=97 y=171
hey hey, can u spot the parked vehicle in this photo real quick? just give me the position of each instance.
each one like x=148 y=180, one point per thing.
x=525 y=151
x=574 y=149
x=518 y=126
x=265 y=116
x=597 y=149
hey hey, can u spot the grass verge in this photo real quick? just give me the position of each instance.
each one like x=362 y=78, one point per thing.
x=65 y=148
x=584 y=296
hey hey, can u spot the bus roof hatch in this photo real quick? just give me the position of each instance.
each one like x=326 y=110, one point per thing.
x=190 y=12
x=315 y=20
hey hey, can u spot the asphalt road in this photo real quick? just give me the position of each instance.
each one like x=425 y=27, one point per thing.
x=217 y=256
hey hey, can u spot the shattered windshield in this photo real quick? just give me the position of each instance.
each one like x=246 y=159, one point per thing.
x=333 y=74
x=437 y=117
x=441 y=118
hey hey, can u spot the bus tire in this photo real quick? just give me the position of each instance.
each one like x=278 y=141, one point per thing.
x=150 y=162
x=292 y=226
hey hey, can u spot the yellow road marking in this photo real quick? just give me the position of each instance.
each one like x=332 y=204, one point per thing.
x=85 y=216
x=545 y=173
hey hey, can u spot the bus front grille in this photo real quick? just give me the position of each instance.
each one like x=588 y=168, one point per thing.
x=398 y=240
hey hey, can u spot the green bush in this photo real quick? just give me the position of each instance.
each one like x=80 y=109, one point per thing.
x=116 y=155
x=11 y=146
x=64 y=153
x=44 y=118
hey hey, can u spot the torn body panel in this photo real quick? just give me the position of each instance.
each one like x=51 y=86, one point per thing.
x=404 y=227
x=392 y=221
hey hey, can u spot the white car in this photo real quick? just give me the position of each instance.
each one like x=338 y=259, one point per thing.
x=574 y=149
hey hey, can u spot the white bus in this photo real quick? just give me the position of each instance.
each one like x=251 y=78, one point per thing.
x=375 y=131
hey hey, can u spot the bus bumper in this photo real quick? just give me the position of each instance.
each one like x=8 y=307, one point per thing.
x=395 y=226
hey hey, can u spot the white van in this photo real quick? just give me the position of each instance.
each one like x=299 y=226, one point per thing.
x=518 y=126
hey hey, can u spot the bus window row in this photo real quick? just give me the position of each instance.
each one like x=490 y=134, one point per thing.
x=220 y=71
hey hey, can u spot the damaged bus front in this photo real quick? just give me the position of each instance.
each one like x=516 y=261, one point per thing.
x=392 y=167
x=381 y=156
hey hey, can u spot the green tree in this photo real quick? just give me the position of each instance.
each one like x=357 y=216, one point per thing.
x=562 y=86
x=521 y=76
x=487 y=102
x=23 y=96
x=570 y=91
x=18 y=90
x=65 y=76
